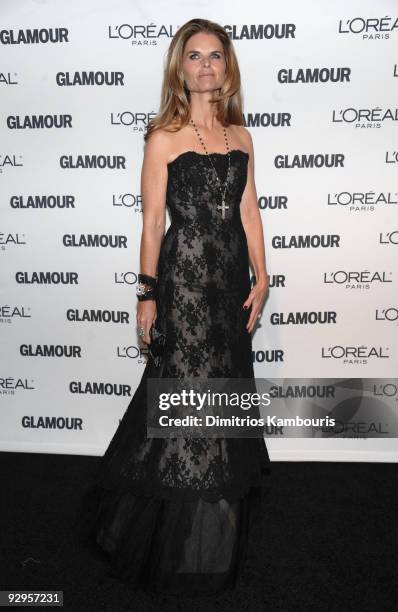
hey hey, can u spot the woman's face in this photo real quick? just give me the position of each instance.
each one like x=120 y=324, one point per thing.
x=203 y=63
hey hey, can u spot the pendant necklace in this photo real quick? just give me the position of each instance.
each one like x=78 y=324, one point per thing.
x=222 y=206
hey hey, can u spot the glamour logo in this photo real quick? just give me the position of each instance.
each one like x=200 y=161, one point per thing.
x=52 y=422
x=128 y=200
x=34 y=122
x=10 y=313
x=9 y=384
x=388 y=237
x=115 y=241
x=362 y=200
x=7 y=79
x=99 y=388
x=34 y=37
x=138 y=121
x=273 y=202
x=355 y=355
x=391 y=157
x=98 y=316
x=371 y=28
x=275 y=280
x=113 y=162
x=387 y=314
x=260 y=31
x=126 y=278
x=47 y=278
x=310 y=160
x=357 y=279
x=307 y=241
x=267 y=119
x=268 y=356
x=314 y=75
x=16 y=239
x=90 y=78
x=365 y=117
x=43 y=201
x=304 y=391
x=325 y=317
x=50 y=350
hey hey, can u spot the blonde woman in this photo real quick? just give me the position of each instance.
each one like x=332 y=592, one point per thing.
x=172 y=514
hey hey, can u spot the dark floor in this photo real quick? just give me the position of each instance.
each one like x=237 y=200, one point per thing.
x=328 y=540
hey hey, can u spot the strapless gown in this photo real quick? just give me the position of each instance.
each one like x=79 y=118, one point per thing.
x=174 y=514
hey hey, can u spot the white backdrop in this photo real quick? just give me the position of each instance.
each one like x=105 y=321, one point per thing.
x=78 y=302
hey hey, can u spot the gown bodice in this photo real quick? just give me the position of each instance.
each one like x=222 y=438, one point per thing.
x=200 y=248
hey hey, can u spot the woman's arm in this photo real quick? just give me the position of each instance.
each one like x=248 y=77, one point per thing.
x=153 y=192
x=253 y=226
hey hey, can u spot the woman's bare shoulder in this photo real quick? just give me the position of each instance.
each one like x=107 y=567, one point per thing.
x=158 y=144
x=243 y=138
x=163 y=142
x=157 y=137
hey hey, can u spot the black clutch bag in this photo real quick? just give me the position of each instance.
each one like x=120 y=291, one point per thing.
x=157 y=345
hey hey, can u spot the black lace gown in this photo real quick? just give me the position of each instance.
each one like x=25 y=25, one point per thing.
x=174 y=514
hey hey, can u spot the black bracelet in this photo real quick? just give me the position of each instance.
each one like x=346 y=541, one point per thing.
x=148 y=295
x=146 y=288
x=147 y=280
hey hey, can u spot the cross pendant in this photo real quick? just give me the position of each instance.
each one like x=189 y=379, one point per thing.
x=223 y=209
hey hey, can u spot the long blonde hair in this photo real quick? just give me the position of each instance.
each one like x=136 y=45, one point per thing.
x=175 y=97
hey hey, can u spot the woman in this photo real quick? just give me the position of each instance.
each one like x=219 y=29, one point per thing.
x=172 y=514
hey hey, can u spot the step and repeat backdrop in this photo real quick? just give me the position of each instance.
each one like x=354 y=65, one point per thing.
x=79 y=82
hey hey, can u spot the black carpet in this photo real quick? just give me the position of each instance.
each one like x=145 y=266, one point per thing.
x=328 y=540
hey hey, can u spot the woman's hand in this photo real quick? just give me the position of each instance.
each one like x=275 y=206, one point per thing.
x=146 y=316
x=256 y=300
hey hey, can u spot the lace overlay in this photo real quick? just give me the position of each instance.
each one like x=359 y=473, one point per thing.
x=201 y=489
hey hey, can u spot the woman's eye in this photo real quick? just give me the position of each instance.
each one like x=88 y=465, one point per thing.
x=216 y=55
